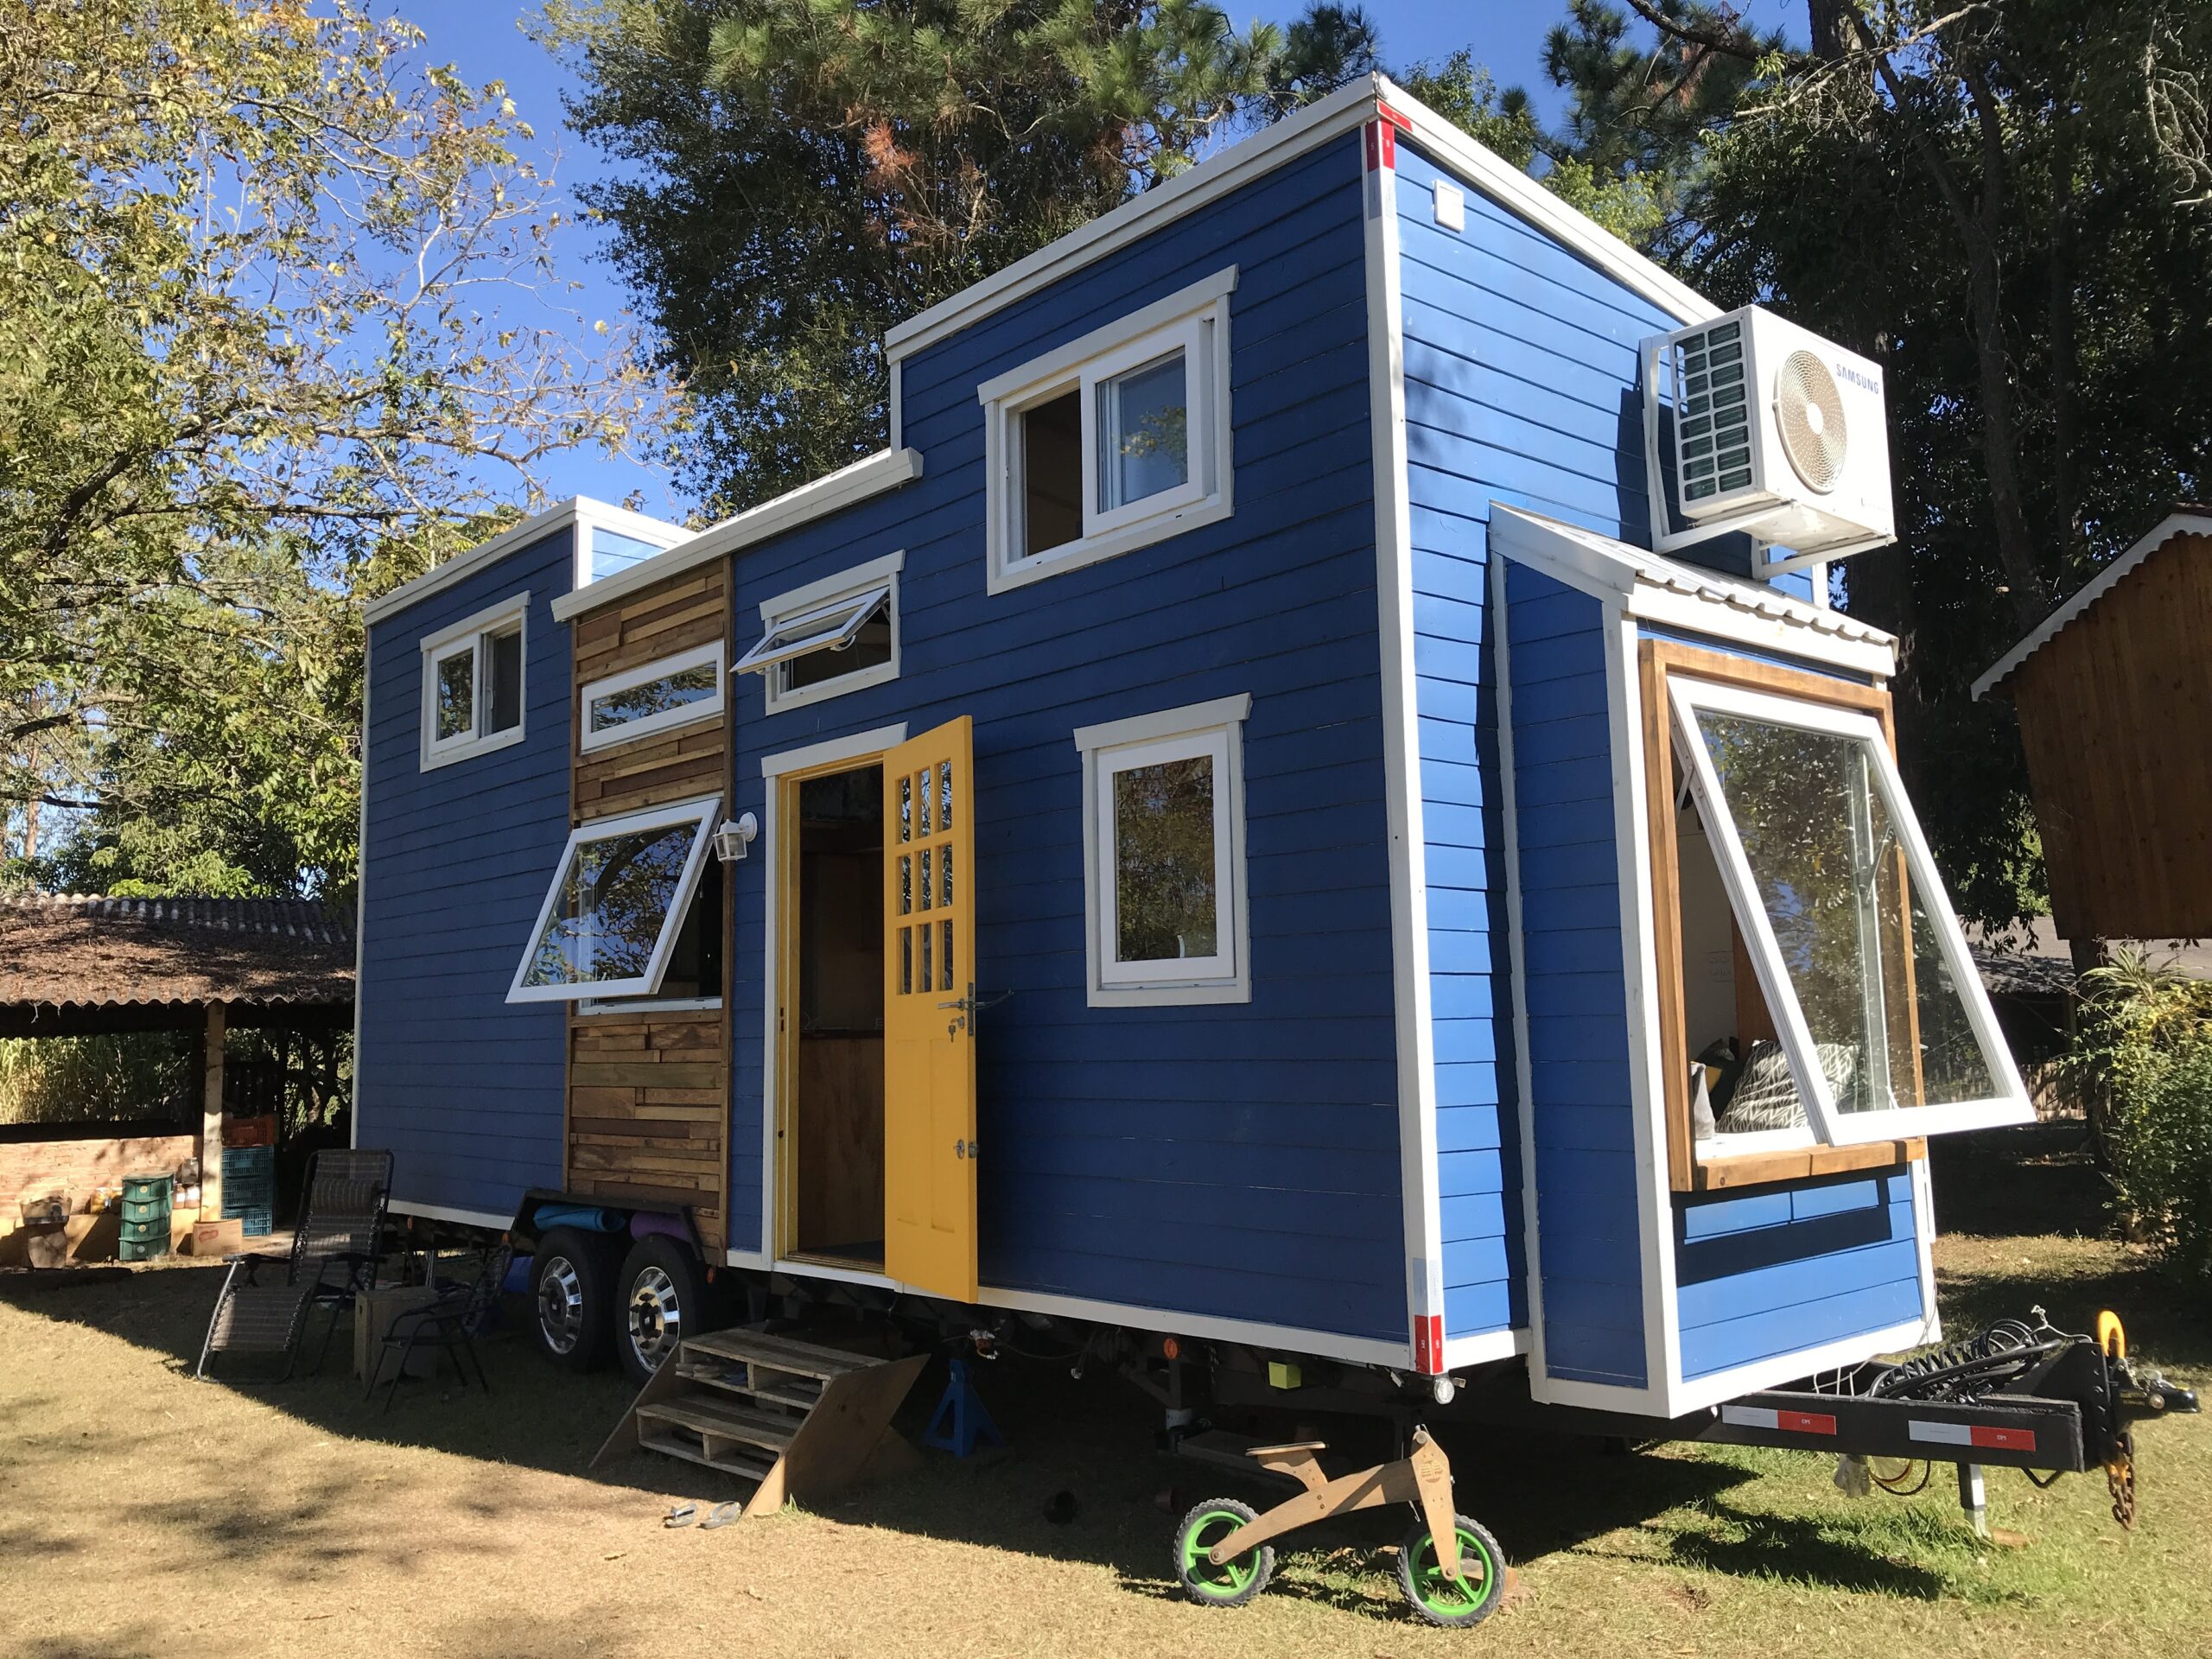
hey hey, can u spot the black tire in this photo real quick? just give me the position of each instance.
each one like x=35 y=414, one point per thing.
x=1233 y=1583
x=572 y=1286
x=660 y=1298
x=1437 y=1599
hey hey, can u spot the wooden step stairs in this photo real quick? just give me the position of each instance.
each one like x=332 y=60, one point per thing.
x=800 y=1419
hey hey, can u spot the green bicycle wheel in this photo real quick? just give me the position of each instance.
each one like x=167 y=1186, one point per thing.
x=1232 y=1583
x=1468 y=1599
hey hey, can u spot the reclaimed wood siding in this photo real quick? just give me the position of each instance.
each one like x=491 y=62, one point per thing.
x=465 y=1088
x=649 y=1091
x=1237 y=1160
x=2115 y=713
x=648 y=1096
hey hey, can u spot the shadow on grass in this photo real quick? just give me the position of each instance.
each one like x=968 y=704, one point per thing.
x=2036 y=1179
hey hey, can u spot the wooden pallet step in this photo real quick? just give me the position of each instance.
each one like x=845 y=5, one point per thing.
x=804 y=1393
x=723 y=1420
x=780 y=1353
x=729 y=1460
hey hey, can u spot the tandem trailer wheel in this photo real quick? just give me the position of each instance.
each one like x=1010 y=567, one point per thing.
x=1470 y=1599
x=661 y=1297
x=573 y=1290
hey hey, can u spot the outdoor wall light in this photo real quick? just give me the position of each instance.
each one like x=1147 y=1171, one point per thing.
x=731 y=840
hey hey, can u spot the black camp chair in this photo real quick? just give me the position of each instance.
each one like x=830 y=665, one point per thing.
x=451 y=1324
x=335 y=1253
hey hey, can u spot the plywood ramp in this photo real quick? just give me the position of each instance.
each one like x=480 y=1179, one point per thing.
x=799 y=1420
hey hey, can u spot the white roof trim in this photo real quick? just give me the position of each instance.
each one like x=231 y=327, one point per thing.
x=1343 y=111
x=1662 y=591
x=2174 y=523
x=886 y=469
x=558 y=517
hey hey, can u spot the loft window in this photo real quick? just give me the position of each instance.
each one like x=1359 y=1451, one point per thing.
x=675 y=691
x=1116 y=441
x=837 y=635
x=473 y=684
x=612 y=919
x=1827 y=994
x=1164 y=856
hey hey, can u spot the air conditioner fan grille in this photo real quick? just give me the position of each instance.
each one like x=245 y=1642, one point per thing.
x=1808 y=415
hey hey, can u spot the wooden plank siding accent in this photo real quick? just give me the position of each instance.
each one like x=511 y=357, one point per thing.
x=2115 y=713
x=648 y=1092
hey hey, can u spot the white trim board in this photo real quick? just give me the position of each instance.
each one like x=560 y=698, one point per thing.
x=2173 y=525
x=858 y=747
x=886 y=469
x=1420 y=1208
x=1343 y=111
x=448 y=1212
x=1672 y=594
x=537 y=527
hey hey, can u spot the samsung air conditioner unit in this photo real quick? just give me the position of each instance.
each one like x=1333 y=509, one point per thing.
x=1769 y=431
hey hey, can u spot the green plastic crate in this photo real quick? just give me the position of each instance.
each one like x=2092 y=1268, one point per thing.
x=142 y=1187
x=139 y=1232
x=142 y=1249
x=146 y=1209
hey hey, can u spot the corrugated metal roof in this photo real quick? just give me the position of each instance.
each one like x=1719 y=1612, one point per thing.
x=89 y=950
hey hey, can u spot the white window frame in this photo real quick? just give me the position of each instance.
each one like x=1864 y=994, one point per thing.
x=468 y=635
x=1829 y=1123
x=1194 y=320
x=668 y=719
x=700 y=814
x=1215 y=729
x=843 y=603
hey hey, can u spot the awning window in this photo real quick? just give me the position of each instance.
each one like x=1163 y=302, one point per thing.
x=834 y=626
x=610 y=920
x=1875 y=998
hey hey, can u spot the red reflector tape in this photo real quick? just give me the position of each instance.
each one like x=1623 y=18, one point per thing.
x=2003 y=1439
x=1805 y=1422
x=1788 y=1422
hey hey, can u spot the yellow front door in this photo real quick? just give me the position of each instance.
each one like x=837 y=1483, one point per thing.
x=929 y=1020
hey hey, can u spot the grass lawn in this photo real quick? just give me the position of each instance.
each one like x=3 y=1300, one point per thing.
x=144 y=1512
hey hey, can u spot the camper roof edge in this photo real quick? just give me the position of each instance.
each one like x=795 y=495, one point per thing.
x=538 y=525
x=1343 y=111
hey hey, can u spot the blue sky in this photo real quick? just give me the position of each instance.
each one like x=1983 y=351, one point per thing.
x=483 y=40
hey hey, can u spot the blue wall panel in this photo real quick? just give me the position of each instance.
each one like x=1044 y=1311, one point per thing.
x=464 y=1089
x=1780 y=1269
x=1239 y=1161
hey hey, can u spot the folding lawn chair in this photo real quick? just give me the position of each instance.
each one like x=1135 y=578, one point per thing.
x=451 y=1324
x=335 y=1253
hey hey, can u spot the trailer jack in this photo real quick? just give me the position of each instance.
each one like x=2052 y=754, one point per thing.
x=2021 y=1394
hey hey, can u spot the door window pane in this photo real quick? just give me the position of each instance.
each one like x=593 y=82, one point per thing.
x=456 y=691
x=1165 y=902
x=1143 y=434
x=611 y=903
x=1888 y=1024
x=503 y=653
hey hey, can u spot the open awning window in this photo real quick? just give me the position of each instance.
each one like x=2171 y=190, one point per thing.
x=1876 y=1001
x=834 y=626
x=610 y=920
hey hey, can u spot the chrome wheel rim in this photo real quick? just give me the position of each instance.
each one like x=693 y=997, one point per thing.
x=561 y=1304
x=656 y=1316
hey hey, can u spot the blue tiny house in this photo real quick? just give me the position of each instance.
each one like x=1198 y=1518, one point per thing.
x=1225 y=827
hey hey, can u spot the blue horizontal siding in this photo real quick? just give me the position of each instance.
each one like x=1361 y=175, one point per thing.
x=465 y=1089
x=1771 y=1272
x=1241 y=1160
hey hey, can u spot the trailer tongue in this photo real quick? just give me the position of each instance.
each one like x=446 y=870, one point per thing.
x=2020 y=1395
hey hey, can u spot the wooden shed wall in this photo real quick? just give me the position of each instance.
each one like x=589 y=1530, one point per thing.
x=2115 y=713
x=648 y=1092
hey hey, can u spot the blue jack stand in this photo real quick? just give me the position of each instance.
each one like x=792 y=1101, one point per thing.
x=969 y=1424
